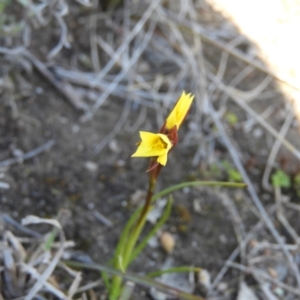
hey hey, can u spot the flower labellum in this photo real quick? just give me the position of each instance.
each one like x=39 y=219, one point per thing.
x=154 y=145
x=159 y=144
x=180 y=110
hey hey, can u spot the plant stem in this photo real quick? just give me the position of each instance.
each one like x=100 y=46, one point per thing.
x=151 y=188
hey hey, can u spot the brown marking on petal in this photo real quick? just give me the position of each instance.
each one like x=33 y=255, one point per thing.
x=163 y=129
x=173 y=136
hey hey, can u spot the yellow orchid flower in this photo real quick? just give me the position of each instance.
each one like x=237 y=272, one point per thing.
x=154 y=144
x=180 y=110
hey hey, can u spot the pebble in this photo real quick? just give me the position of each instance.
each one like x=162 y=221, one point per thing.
x=257 y=133
x=186 y=190
x=113 y=146
x=197 y=205
x=91 y=205
x=167 y=241
x=39 y=90
x=75 y=128
x=279 y=291
x=137 y=197
x=245 y=293
x=204 y=278
x=222 y=287
x=120 y=163
x=272 y=272
x=91 y=166
x=223 y=239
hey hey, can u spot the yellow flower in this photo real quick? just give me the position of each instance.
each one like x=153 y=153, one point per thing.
x=181 y=108
x=154 y=144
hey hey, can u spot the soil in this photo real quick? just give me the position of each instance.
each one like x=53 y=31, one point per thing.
x=71 y=176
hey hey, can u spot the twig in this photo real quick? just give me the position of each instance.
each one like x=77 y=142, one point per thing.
x=254 y=195
x=236 y=53
x=122 y=74
x=63 y=41
x=93 y=39
x=89 y=286
x=282 y=218
x=64 y=88
x=41 y=281
x=103 y=219
x=28 y=155
x=283 y=131
x=139 y=121
x=235 y=253
x=257 y=117
x=264 y=276
x=8 y=219
x=138 y=27
x=238 y=226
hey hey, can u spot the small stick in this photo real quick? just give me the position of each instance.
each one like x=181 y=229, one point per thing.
x=63 y=87
x=9 y=220
x=264 y=275
x=28 y=155
x=102 y=219
x=254 y=196
x=283 y=131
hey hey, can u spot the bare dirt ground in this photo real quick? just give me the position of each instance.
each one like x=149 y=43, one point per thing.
x=88 y=169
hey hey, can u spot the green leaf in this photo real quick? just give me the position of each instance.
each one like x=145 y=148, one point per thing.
x=231 y=118
x=182 y=269
x=281 y=179
x=140 y=247
x=182 y=185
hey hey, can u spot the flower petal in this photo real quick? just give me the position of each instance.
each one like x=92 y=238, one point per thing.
x=162 y=159
x=152 y=144
x=179 y=111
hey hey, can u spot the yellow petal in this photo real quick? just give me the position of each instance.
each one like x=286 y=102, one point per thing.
x=179 y=111
x=162 y=159
x=153 y=144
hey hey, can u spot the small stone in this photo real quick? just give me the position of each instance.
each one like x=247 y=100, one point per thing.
x=257 y=133
x=91 y=205
x=253 y=243
x=167 y=241
x=113 y=146
x=197 y=206
x=18 y=152
x=222 y=287
x=143 y=67
x=245 y=293
x=204 y=278
x=223 y=239
x=120 y=163
x=153 y=242
x=137 y=197
x=186 y=190
x=272 y=272
x=39 y=90
x=279 y=291
x=91 y=166
x=75 y=128
x=238 y=196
